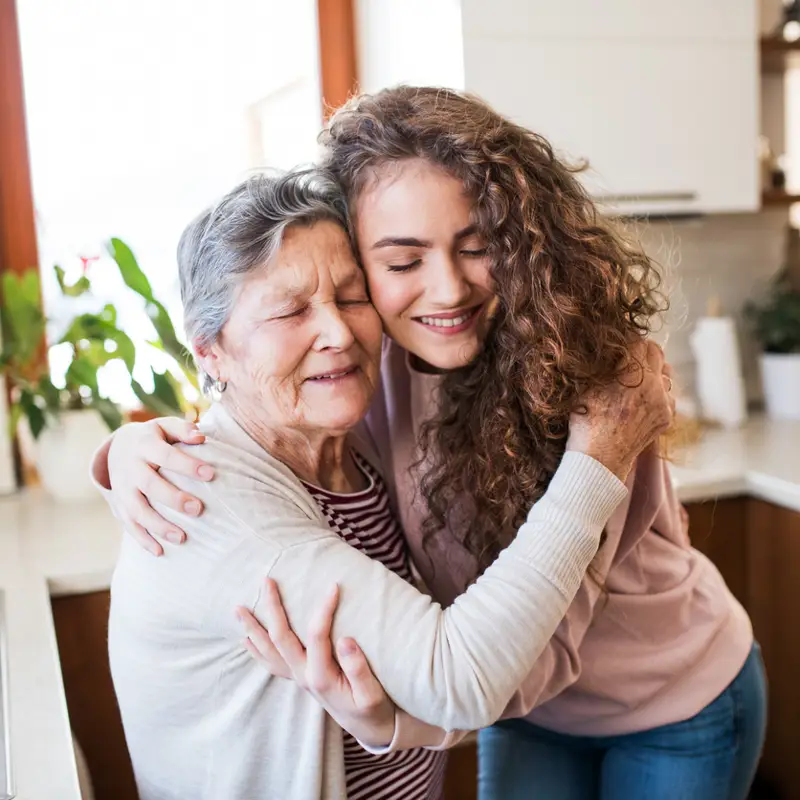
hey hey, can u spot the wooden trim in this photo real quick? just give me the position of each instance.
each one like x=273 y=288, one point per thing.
x=338 y=61
x=778 y=55
x=18 y=250
x=779 y=197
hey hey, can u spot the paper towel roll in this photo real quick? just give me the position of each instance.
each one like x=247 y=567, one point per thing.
x=720 y=386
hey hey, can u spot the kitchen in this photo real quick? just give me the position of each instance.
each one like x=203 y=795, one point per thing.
x=704 y=83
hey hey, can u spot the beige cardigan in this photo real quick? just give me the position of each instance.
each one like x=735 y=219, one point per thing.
x=203 y=720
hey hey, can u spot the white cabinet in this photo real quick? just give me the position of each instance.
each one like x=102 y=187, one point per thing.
x=661 y=98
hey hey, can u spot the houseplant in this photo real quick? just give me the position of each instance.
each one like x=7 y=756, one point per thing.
x=776 y=325
x=68 y=421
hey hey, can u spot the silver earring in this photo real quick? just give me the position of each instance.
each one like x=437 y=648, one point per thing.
x=220 y=386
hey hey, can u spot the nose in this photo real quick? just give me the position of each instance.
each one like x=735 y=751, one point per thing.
x=450 y=287
x=333 y=331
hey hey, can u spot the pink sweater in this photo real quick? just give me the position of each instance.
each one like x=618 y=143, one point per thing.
x=655 y=644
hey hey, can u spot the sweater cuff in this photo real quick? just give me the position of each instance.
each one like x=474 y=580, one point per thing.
x=393 y=745
x=569 y=518
x=410 y=732
x=588 y=489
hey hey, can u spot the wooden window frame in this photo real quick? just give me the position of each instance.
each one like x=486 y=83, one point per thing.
x=338 y=60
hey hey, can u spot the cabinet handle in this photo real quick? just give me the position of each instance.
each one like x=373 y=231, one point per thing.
x=7 y=790
x=637 y=198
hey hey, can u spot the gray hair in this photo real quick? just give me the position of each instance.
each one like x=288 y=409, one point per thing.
x=242 y=233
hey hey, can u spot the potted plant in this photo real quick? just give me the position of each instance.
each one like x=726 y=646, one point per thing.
x=67 y=422
x=776 y=324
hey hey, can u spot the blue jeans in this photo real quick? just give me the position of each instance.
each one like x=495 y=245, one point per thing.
x=711 y=756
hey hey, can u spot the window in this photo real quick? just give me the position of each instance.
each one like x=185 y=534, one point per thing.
x=140 y=115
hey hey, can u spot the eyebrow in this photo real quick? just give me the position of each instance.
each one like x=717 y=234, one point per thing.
x=410 y=241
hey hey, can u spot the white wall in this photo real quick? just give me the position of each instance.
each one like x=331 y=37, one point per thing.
x=732 y=257
x=409 y=41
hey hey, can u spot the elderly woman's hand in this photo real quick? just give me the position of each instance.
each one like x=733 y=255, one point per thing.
x=626 y=417
x=137 y=452
x=347 y=690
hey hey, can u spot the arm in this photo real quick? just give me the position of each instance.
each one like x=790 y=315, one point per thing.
x=152 y=442
x=456 y=668
x=651 y=505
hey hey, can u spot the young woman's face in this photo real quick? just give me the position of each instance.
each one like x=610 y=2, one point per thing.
x=427 y=267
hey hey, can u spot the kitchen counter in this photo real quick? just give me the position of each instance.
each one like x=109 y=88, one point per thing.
x=50 y=549
x=46 y=548
x=761 y=459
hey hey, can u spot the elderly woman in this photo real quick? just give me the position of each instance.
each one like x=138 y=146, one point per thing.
x=277 y=311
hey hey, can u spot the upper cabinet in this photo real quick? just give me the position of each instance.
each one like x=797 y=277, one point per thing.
x=659 y=98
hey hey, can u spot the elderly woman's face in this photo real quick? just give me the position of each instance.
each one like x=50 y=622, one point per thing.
x=302 y=345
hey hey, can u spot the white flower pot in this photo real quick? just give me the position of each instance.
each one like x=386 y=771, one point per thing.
x=63 y=452
x=780 y=375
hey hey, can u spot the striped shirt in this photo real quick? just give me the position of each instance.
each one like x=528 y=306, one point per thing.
x=365 y=521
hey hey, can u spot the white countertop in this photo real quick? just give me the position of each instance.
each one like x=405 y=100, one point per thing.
x=48 y=548
x=761 y=459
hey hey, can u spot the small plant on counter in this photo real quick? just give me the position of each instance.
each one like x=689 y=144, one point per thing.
x=776 y=321
x=94 y=340
x=776 y=325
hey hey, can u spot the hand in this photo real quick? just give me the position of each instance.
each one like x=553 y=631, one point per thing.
x=136 y=453
x=347 y=690
x=627 y=416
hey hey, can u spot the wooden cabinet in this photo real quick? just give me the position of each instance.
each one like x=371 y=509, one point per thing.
x=660 y=98
x=82 y=631
x=772 y=601
x=756 y=546
x=718 y=528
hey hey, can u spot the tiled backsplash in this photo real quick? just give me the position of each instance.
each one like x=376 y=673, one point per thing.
x=731 y=257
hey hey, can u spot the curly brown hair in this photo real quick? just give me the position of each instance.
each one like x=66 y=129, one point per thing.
x=573 y=292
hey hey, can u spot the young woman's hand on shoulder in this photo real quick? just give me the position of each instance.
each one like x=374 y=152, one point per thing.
x=136 y=452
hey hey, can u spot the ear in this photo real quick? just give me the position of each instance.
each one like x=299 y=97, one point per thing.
x=208 y=357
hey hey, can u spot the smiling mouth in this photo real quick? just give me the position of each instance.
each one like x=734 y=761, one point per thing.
x=335 y=375
x=453 y=322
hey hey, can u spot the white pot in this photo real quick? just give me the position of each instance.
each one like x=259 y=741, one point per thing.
x=63 y=452
x=780 y=375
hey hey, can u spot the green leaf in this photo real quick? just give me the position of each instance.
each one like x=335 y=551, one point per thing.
x=31 y=286
x=49 y=393
x=129 y=269
x=82 y=372
x=160 y=318
x=187 y=366
x=126 y=350
x=177 y=388
x=96 y=354
x=35 y=415
x=109 y=411
x=22 y=316
x=13 y=419
x=164 y=391
x=151 y=401
x=81 y=286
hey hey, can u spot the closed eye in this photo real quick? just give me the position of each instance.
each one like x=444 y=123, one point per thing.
x=297 y=313
x=474 y=253
x=362 y=302
x=404 y=267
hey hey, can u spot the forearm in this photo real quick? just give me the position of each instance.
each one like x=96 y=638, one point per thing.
x=458 y=668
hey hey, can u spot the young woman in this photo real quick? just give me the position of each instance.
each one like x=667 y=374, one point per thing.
x=276 y=308
x=488 y=263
